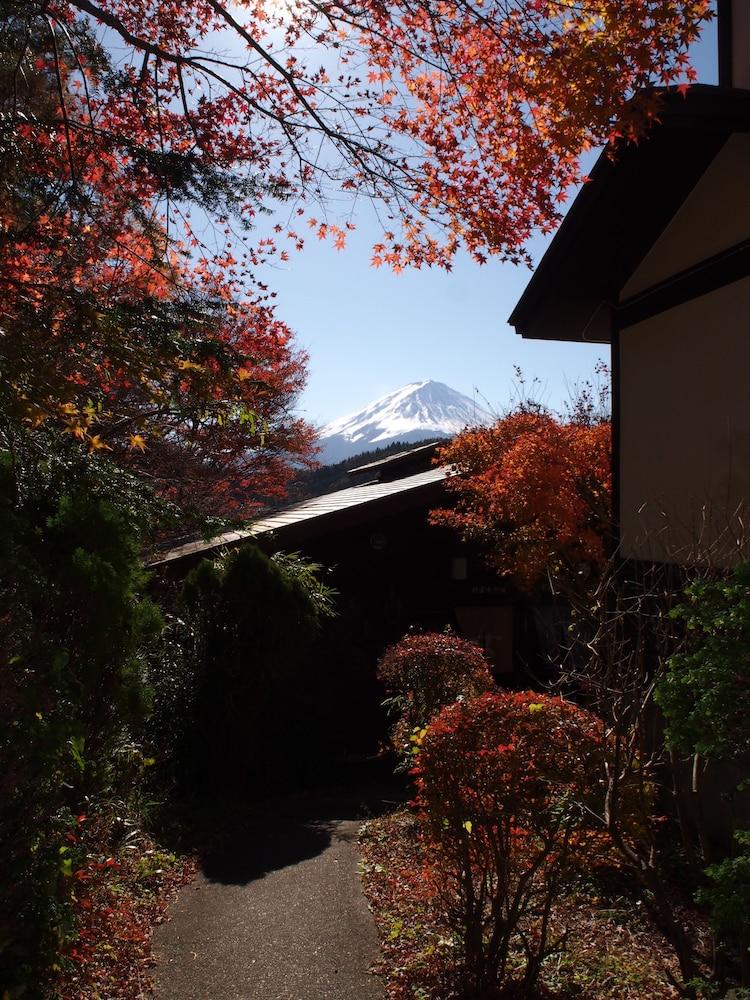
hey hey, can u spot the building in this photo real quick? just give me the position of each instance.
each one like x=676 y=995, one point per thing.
x=653 y=258
x=393 y=571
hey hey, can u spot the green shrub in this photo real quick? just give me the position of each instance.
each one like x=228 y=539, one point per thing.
x=423 y=673
x=250 y=623
x=507 y=786
x=728 y=897
x=705 y=694
x=73 y=628
x=705 y=698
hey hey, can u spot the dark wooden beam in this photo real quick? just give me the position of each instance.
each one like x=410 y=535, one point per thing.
x=723 y=269
x=616 y=374
x=724 y=17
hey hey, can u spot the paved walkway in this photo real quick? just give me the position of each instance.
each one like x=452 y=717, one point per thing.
x=277 y=912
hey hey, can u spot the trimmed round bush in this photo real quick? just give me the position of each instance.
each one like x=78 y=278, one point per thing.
x=507 y=786
x=422 y=673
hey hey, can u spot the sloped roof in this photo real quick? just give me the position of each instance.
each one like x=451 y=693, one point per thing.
x=321 y=513
x=398 y=458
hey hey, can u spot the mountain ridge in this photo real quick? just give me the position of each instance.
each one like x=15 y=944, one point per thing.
x=409 y=414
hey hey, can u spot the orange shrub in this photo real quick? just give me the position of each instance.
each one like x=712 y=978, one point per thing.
x=422 y=673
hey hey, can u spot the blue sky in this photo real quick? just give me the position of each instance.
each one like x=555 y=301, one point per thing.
x=368 y=331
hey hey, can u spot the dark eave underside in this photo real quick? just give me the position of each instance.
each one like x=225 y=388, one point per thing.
x=618 y=216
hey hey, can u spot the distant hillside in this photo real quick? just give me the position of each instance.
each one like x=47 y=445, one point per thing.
x=329 y=478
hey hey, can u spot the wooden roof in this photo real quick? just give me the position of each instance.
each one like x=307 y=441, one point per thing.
x=325 y=513
x=397 y=466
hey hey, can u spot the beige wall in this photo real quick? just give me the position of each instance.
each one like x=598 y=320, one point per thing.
x=741 y=43
x=715 y=216
x=685 y=425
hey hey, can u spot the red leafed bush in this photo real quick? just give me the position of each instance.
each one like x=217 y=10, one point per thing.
x=425 y=672
x=535 y=490
x=507 y=788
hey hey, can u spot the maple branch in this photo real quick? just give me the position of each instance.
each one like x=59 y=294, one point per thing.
x=402 y=183
x=63 y=107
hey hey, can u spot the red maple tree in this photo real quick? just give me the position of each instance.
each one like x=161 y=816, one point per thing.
x=128 y=123
x=111 y=331
x=465 y=118
x=535 y=490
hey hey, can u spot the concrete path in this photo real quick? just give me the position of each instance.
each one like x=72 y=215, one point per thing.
x=277 y=912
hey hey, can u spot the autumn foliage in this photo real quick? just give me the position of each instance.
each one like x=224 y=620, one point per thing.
x=465 y=120
x=535 y=490
x=114 y=331
x=135 y=311
x=423 y=673
x=507 y=787
x=156 y=158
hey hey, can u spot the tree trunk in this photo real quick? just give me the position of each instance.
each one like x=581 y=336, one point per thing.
x=706 y=848
x=687 y=833
x=670 y=926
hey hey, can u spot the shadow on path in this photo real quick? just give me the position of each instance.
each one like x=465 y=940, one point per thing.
x=237 y=842
x=277 y=912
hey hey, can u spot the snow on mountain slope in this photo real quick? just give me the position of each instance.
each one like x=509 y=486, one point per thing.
x=416 y=411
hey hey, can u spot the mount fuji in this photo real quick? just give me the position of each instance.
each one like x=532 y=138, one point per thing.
x=414 y=412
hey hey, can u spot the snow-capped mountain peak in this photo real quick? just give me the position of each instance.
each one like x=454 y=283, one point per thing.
x=415 y=411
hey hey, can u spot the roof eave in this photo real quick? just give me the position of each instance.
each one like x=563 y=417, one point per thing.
x=297 y=530
x=564 y=300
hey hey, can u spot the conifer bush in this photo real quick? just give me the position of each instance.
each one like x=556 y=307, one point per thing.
x=507 y=785
x=74 y=627
x=251 y=622
x=422 y=673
